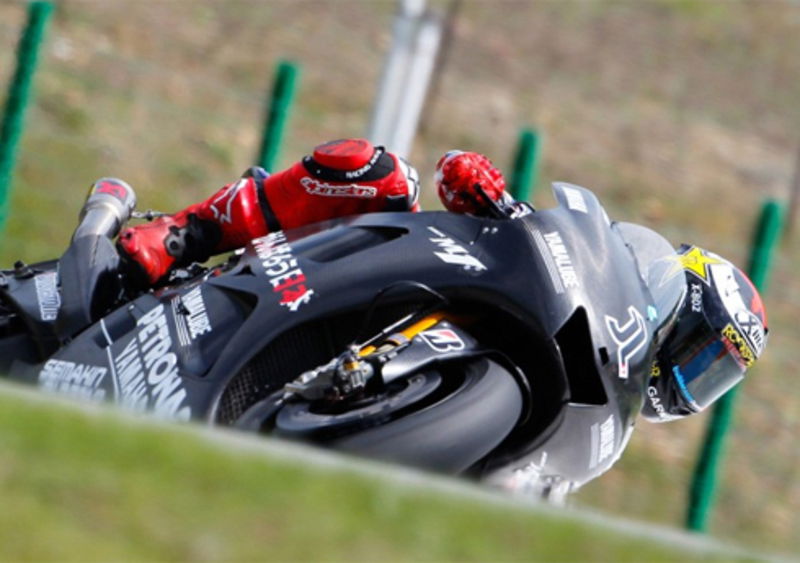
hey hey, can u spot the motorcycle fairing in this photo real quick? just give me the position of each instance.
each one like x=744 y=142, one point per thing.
x=498 y=263
x=149 y=355
x=540 y=270
x=621 y=319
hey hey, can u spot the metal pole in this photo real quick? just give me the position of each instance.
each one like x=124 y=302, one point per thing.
x=277 y=114
x=526 y=165
x=442 y=59
x=395 y=71
x=704 y=481
x=19 y=94
x=416 y=86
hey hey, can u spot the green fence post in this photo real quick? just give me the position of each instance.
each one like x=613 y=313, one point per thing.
x=704 y=481
x=277 y=113
x=526 y=165
x=18 y=95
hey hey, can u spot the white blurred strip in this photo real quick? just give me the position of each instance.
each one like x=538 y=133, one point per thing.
x=416 y=85
x=405 y=78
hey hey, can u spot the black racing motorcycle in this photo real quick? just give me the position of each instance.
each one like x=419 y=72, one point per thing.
x=513 y=348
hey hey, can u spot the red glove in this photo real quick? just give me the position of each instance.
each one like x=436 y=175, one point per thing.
x=458 y=172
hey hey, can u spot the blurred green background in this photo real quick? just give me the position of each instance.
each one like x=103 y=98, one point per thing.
x=681 y=115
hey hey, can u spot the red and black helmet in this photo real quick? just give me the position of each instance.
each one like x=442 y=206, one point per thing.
x=719 y=331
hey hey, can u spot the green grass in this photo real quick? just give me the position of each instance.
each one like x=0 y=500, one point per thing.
x=92 y=485
x=681 y=115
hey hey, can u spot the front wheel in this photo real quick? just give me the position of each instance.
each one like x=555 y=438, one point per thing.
x=444 y=419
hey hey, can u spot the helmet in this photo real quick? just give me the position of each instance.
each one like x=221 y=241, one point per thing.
x=719 y=330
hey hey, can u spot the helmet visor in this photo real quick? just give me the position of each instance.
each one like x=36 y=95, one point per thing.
x=706 y=364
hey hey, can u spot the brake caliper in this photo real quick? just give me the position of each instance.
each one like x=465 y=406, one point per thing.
x=341 y=378
x=347 y=375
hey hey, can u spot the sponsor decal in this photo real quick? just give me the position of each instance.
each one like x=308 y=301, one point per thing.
x=655 y=402
x=695 y=261
x=575 y=199
x=280 y=265
x=442 y=340
x=315 y=187
x=453 y=253
x=655 y=370
x=191 y=318
x=358 y=172
x=602 y=436
x=752 y=329
x=736 y=342
x=47 y=295
x=697 y=297
x=748 y=325
x=557 y=260
x=77 y=380
x=629 y=337
x=109 y=187
x=146 y=370
x=221 y=205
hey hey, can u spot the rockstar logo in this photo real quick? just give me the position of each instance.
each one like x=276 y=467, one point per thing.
x=693 y=260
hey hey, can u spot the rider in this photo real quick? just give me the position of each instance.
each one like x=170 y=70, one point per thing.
x=720 y=324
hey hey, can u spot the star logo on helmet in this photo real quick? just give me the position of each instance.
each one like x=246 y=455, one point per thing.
x=693 y=260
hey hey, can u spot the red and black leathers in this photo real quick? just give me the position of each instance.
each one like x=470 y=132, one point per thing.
x=343 y=177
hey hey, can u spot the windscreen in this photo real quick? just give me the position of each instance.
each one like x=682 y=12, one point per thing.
x=655 y=258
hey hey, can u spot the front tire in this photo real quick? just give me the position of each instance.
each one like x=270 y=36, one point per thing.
x=451 y=433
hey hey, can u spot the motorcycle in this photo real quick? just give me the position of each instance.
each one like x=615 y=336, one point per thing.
x=513 y=348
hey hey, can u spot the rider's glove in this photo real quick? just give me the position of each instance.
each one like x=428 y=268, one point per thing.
x=457 y=175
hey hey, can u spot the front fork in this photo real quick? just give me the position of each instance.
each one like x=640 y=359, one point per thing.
x=348 y=375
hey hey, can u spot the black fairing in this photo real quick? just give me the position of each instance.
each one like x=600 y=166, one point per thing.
x=557 y=291
x=89 y=283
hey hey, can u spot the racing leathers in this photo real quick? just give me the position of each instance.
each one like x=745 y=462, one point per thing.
x=342 y=177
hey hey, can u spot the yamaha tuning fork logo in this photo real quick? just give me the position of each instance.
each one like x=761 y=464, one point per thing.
x=630 y=336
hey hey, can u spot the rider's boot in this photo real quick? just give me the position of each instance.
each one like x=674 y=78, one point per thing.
x=227 y=220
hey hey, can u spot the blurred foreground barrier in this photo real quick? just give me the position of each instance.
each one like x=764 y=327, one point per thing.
x=18 y=95
x=277 y=113
x=526 y=165
x=704 y=482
